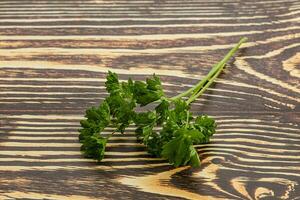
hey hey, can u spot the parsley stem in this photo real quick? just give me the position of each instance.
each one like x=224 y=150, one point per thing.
x=193 y=97
x=187 y=119
x=195 y=89
x=208 y=80
x=199 y=84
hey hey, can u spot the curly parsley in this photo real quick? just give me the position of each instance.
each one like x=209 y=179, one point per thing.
x=178 y=130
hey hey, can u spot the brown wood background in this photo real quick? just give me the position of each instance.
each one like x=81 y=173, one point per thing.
x=54 y=56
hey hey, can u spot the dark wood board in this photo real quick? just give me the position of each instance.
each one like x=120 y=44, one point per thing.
x=54 y=56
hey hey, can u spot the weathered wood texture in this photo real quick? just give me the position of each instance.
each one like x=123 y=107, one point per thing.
x=53 y=59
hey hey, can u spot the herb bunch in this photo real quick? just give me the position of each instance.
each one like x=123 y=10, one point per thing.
x=169 y=131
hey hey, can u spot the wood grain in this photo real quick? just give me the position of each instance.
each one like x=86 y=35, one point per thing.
x=54 y=56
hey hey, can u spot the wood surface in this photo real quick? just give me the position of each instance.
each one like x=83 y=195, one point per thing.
x=54 y=56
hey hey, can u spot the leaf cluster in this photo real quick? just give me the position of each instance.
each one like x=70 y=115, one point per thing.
x=169 y=131
x=179 y=131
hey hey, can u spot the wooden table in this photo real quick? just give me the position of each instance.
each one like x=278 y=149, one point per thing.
x=54 y=56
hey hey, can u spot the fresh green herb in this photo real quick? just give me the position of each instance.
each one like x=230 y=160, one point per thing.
x=169 y=131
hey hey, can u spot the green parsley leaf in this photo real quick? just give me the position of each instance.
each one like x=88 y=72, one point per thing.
x=162 y=111
x=112 y=82
x=144 y=118
x=94 y=147
x=97 y=120
x=148 y=92
x=207 y=126
x=180 y=151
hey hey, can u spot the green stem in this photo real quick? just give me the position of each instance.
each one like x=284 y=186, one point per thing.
x=199 y=84
x=212 y=72
x=192 y=98
x=187 y=119
x=215 y=71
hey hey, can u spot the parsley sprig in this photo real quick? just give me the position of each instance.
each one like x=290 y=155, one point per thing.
x=169 y=131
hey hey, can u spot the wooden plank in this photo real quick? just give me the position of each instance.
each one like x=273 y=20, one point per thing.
x=53 y=60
